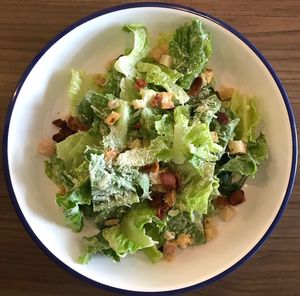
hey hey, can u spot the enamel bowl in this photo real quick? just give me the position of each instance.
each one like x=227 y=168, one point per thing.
x=41 y=96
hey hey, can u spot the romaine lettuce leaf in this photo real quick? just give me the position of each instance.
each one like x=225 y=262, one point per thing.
x=117 y=137
x=190 y=49
x=71 y=150
x=115 y=185
x=247 y=164
x=96 y=244
x=129 y=236
x=158 y=150
x=56 y=171
x=197 y=190
x=126 y=64
x=192 y=139
x=70 y=204
x=128 y=91
x=79 y=85
x=207 y=108
x=155 y=75
x=245 y=109
x=258 y=149
x=182 y=223
x=113 y=80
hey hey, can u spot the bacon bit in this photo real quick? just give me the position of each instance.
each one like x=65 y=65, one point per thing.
x=60 y=123
x=168 y=180
x=222 y=118
x=195 y=87
x=63 y=134
x=112 y=118
x=111 y=222
x=46 y=147
x=184 y=240
x=170 y=198
x=152 y=168
x=100 y=79
x=169 y=250
x=159 y=205
x=62 y=190
x=236 y=197
x=111 y=154
x=137 y=126
x=156 y=100
x=220 y=201
x=140 y=83
x=75 y=125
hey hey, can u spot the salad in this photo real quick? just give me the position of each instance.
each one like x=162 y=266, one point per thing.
x=151 y=152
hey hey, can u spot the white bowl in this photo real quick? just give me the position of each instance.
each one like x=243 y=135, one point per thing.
x=42 y=94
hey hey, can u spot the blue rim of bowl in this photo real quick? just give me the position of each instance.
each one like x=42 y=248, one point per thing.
x=191 y=11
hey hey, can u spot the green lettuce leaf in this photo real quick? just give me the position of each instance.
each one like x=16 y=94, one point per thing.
x=190 y=49
x=113 y=81
x=156 y=75
x=192 y=140
x=158 y=150
x=71 y=150
x=56 y=171
x=129 y=236
x=183 y=223
x=197 y=190
x=128 y=91
x=207 y=108
x=79 y=85
x=117 y=137
x=96 y=244
x=247 y=164
x=115 y=185
x=258 y=149
x=70 y=204
x=126 y=64
x=245 y=109
x=153 y=254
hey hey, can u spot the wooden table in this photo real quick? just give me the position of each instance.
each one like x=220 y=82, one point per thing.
x=25 y=27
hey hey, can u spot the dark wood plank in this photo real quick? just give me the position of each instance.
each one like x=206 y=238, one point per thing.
x=26 y=26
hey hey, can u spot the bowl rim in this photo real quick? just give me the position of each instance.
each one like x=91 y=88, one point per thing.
x=143 y=5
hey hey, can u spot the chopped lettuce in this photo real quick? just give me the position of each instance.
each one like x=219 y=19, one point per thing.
x=80 y=84
x=207 y=108
x=128 y=91
x=71 y=150
x=117 y=137
x=194 y=139
x=245 y=109
x=138 y=157
x=190 y=49
x=70 y=204
x=129 y=236
x=96 y=244
x=115 y=186
x=196 y=195
x=56 y=171
x=113 y=81
x=156 y=75
x=247 y=164
x=188 y=224
x=126 y=64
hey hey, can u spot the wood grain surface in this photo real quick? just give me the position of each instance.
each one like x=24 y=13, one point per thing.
x=26 y=26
